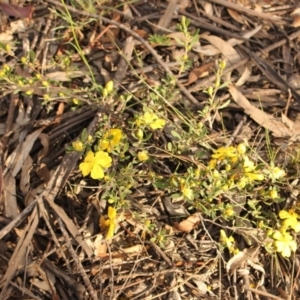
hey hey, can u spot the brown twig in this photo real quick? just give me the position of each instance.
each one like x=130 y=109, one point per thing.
x=79 y=266
x=16 y=221
x=248 y=11
x=258 y=292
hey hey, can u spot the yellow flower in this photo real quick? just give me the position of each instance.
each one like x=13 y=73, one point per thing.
x=216 y=174
x=241 y=148
x=210 y=91
x=248 y=164
x=222 y=64
x=23 y=60
x=197 y=172
x=224 y=153
x=290 y=220
x=153 y=121
x=143 y=155
x=6 y=67
x=284 y=243
x=228 y=167
x=111 y=139
x=45 y=83
x=78 y=146
x=229 y=212
x=89 y=139
x=46 y=97
x=188 y=193
x=139 y=121
x=276 y=173
x=76 y=101
x=242 y=183
x=228 y=242
x=212 y=164
x=109 y=86
x=254 y=176
x=139 y=134
x=273 y=194
x=104 y=92
x=225 y=188
x=112 y=222
x=95 y=163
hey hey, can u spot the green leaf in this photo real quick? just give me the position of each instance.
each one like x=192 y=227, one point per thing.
x=84 y=135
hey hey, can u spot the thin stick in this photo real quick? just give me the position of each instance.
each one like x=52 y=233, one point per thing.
x=85 y=278
x=16 y=221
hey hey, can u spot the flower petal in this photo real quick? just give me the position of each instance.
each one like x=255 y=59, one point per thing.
x=149 y=117
x=111 y=213
x=85 y=168
x=103 y=144
x=283 y=214
x=158 y=124
x=103 y=159
x=89 y=157
x=286 y=252
x=97 y=172
x=297 y=227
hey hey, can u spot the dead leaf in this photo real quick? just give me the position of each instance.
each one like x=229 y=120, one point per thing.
x=236 y=16
x=64 y=76
x=189 y=224
x=59 y=112
x=10 y=195
x=210 y=50
x=43 y=173
x=266 y=120
x=142 y=33
x=100 y=246
x=134 y=250
x=17 y=11
x=238 y=259
x=25 y=178
x=296 y=17
x=229 y=53
x=201 y=286
x=183 y=4
x=17 y=158
x=127 y=12
x=45 y=141
x=208 y=7
x=15 y=27
x=246 y=75
x=200 y=72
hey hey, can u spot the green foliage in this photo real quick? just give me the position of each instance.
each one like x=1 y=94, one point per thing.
x=160 y=40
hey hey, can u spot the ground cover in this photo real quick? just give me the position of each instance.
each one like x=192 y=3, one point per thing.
x=149 y=150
